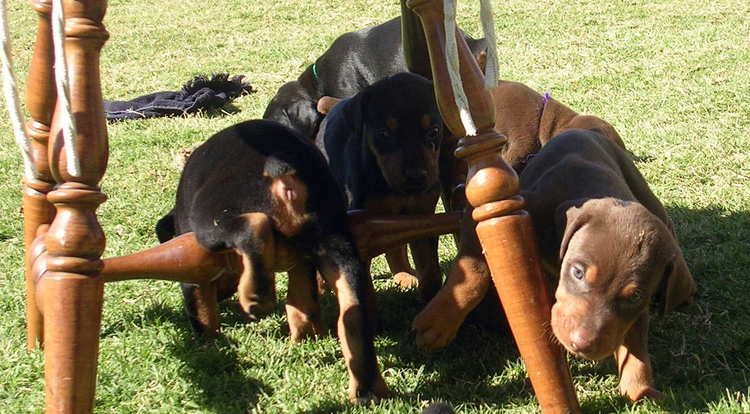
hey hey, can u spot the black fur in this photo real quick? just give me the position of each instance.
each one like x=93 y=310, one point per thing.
x=354 y=61
x=355 y=140
x=383 y=146
x=229 y=175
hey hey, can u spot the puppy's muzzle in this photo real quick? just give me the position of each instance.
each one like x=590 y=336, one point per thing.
x=415 y=180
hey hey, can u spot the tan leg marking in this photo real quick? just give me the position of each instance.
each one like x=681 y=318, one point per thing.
x=467 y=283
x=403 y=274
x=634 y=363
x=302 y=308
x=254 y=301
x=350 y=328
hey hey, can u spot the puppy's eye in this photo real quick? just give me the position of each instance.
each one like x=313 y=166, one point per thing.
x=432 y=138
x=578 y=271
x=634 y=297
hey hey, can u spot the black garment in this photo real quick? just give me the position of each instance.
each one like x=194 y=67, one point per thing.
x=202 y=92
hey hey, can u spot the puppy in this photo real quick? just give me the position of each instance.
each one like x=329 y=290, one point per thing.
x=529 y=120
x=354 y=61
x=262 y=190
x=609 y=243
x=382 y=146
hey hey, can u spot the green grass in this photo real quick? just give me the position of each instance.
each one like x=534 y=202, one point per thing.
x=671 y=75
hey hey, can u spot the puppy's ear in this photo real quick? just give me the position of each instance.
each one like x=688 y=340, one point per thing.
x=677 y=285
x=482 y=61
x=570 y=216
x=326 y=103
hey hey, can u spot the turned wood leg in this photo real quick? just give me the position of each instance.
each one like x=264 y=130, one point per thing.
x=40 y=101
x=71 y=290
x=503 y=227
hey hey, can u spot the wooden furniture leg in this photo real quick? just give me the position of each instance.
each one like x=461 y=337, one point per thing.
x=40 y=100
x=70 y=291
x=504 y=229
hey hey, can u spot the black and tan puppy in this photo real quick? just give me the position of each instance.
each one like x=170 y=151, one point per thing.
x=264 y=191
x=382 y=146
x=354 y=61
x=609 y=243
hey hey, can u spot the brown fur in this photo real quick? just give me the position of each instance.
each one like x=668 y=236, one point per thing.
x=529 y=123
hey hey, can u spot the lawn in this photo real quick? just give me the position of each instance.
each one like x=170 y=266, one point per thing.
x=672 y=76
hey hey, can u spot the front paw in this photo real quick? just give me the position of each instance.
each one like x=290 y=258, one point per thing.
x=256 y=308
x=360 y=396
x=406 y=281
x=636 y=392
x=436 y=326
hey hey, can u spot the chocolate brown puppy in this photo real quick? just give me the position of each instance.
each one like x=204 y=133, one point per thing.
x=529 y=120
x=382 y=146
x=264 y=191
x=608 y=243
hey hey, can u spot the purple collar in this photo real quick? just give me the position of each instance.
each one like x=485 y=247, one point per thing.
x=545 y=98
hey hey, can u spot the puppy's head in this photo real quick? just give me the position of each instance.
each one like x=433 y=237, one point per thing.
x=615 y=257
x=403 y=130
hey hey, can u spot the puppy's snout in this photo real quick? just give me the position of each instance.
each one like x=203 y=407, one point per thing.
x=581 y=340
x=415 y=177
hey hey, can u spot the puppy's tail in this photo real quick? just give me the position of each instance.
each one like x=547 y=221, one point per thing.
x=165 y=228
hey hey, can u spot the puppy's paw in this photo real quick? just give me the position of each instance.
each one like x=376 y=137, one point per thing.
x=255 y=308
x=435 y=327
x=360 y=396
x=406 y=281
x=637 y=392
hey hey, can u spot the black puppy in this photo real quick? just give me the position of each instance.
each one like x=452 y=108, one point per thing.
x=382 y=146
x=262 y=190
x=354 y=61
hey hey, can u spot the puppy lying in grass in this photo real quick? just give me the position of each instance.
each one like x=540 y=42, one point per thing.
x=260 y=189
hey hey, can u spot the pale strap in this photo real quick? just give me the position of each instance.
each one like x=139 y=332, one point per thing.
x=63 y=89
x=10 y=92
x=492 y=68
x=451 y=53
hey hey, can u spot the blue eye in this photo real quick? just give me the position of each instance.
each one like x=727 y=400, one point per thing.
x=577 y=271
x=635 y=297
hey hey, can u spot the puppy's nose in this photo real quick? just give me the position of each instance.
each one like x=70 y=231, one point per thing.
x=581 y=340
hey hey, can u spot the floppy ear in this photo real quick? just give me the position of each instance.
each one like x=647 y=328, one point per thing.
x=570 y=216
x=677 y=285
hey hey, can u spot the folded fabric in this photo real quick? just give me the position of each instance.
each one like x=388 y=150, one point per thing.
x=202 y=92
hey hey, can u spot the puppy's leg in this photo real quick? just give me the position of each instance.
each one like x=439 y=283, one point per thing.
x=201 y=307
x=345 y=274
x=634 y=363
x=398 y=262
x=302 y=307
x=257 y=287
x=428 y=267
x=466 y=284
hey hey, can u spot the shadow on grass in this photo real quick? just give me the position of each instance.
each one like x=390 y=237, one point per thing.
x=211 y=365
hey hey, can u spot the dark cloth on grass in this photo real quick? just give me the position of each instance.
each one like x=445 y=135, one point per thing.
x=202 y=92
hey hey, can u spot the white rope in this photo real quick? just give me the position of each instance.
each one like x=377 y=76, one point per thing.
x=488 y=27
x=451 y=51
x=11 y=97
x=63 y=89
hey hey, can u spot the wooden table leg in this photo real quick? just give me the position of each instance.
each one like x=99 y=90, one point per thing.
x=40 y=100
x=71 y=290
x=504 y=228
